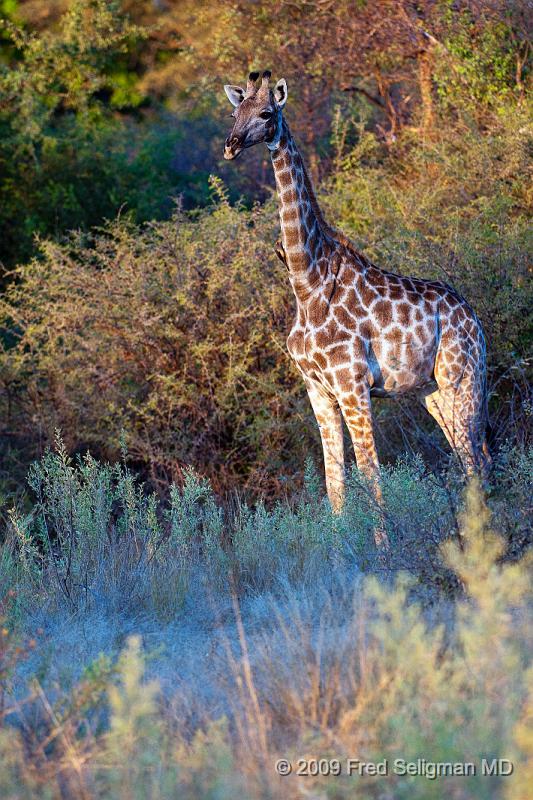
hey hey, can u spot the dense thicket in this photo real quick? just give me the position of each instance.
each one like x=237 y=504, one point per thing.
x=416 y=122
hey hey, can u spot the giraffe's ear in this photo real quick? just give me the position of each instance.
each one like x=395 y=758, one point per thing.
x=280 y=92
x=235 y=94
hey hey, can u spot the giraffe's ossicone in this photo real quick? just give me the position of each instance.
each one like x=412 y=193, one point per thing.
x=359 y=330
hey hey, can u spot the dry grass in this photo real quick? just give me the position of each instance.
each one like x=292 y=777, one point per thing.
x=184 y=651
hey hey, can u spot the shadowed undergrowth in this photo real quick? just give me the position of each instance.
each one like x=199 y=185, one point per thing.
x=183 y=646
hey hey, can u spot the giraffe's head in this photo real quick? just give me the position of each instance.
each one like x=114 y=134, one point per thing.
x=257 y=113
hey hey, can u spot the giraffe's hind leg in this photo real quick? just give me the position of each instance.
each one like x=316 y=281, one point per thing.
x=461 y=421
x=459 y=404
x=442 y=407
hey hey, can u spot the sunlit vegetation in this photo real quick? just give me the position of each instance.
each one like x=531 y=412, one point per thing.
x=178 y=607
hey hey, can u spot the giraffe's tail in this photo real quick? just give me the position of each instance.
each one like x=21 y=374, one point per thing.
x=488 y=440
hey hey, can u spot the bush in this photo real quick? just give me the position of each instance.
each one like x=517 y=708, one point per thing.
x=97 y=539
x=183 y=349
x=175 y=332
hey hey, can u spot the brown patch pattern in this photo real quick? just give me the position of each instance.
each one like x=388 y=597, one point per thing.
x=362 y=330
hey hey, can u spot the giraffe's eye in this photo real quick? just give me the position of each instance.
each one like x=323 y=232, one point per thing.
x=266 y=114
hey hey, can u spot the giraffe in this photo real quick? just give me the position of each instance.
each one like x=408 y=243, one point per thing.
x=361 y=331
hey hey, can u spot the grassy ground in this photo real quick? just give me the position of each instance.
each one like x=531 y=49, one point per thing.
x=174 y=648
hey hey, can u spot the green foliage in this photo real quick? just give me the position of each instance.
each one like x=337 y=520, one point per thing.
x=134 y=728
x=67 y=158
x=61 y=71
x=96 y=537
x=476 y=68
x=83 y=508
x=113 y=105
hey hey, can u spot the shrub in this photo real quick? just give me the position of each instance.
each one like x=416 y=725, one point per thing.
x=183 y=351
x=174 y=333
x=312 y=663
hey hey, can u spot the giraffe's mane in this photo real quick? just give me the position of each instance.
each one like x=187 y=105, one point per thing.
x=328 y=230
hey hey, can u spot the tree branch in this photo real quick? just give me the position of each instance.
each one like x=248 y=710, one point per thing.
x=373 y=99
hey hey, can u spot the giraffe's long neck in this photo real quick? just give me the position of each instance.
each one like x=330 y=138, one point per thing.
x=304 y=231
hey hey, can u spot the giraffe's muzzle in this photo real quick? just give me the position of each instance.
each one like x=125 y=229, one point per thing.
x=232 y=148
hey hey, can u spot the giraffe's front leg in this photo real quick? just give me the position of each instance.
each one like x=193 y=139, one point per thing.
x=357 y=411
x=328 y=416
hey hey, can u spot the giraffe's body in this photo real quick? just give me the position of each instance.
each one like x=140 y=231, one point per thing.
x=362 y=331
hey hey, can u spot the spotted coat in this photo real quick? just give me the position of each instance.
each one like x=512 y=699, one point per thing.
x=361 y=331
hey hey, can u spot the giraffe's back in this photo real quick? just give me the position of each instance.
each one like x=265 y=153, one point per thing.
x=394 y=332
